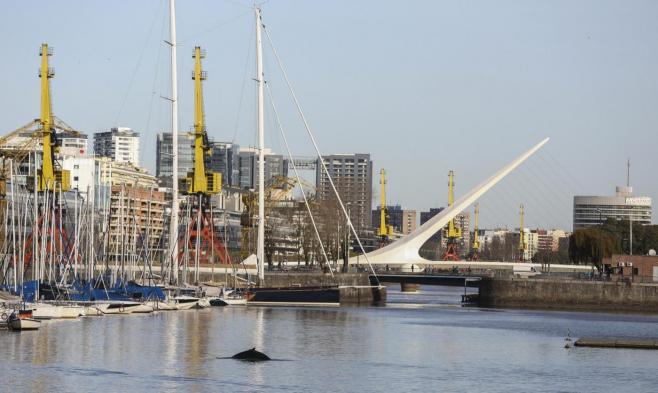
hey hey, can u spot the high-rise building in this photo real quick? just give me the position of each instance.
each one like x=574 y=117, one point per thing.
x=594 y=210
x=425 y=216
x=164 y=157
x=275 y=165
x=121 y=144
x=409 y=221
x=352 y=176
x=224 y=160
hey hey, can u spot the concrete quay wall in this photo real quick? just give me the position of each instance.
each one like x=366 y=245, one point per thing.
x=355 y=288
x=314 y=279
x=568 y=294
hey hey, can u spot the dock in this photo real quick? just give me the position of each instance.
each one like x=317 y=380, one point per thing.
x=628 y=343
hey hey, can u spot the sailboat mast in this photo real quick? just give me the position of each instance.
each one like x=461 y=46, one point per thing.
x=260 y=250
x=173 y=223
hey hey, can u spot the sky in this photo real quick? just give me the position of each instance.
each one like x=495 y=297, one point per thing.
x=423 y=86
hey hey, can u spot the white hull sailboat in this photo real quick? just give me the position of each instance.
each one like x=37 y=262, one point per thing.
x=45 y=311
x=186 y=302
x=124 y=308
x=161 y=305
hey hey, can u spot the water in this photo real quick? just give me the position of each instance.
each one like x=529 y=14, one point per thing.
x=418 y=343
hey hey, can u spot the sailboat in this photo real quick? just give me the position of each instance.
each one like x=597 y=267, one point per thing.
x=329 y=295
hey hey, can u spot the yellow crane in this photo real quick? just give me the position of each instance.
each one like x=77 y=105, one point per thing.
x=385 y=231
x=453 y=233
x=475 y=245
x=521 y=234
x=201 y=181
x=38 y=134
x=49 y=178
x=201 y=184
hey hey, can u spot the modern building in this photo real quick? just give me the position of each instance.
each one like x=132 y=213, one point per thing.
x=247 y=162
x=224 y=160
x=72 y=145
x=425 y=216
x=121 y=144
x=164 y=157
x=352 y=177
x=594 y=210
x=409 y=221
x=275 y=165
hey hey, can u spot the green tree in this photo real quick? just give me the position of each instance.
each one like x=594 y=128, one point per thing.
x=591 y=245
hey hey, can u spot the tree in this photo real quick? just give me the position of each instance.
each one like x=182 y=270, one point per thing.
x=591 y=245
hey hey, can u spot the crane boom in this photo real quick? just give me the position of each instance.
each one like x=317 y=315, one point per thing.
x=201 y=181
x=49 y=178
x=384 y=230
x=453 y=231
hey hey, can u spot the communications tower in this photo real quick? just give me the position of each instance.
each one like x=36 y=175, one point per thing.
x=200 y=241
x=453 y=233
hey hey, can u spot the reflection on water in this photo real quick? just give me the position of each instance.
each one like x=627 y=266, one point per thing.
x=418 y=342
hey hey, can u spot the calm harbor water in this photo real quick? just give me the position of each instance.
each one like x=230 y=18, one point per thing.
x=418 y=343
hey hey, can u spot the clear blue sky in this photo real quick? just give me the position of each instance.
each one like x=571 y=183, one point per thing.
x=424 y=86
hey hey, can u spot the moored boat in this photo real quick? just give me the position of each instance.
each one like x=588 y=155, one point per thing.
x=23 y=320
x=123 y=308
x=185 y=302
x=44 y=311
x=161 y=305
x=233 y=298
x=217 y=302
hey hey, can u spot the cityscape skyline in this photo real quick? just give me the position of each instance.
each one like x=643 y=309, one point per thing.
x=470 y=105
